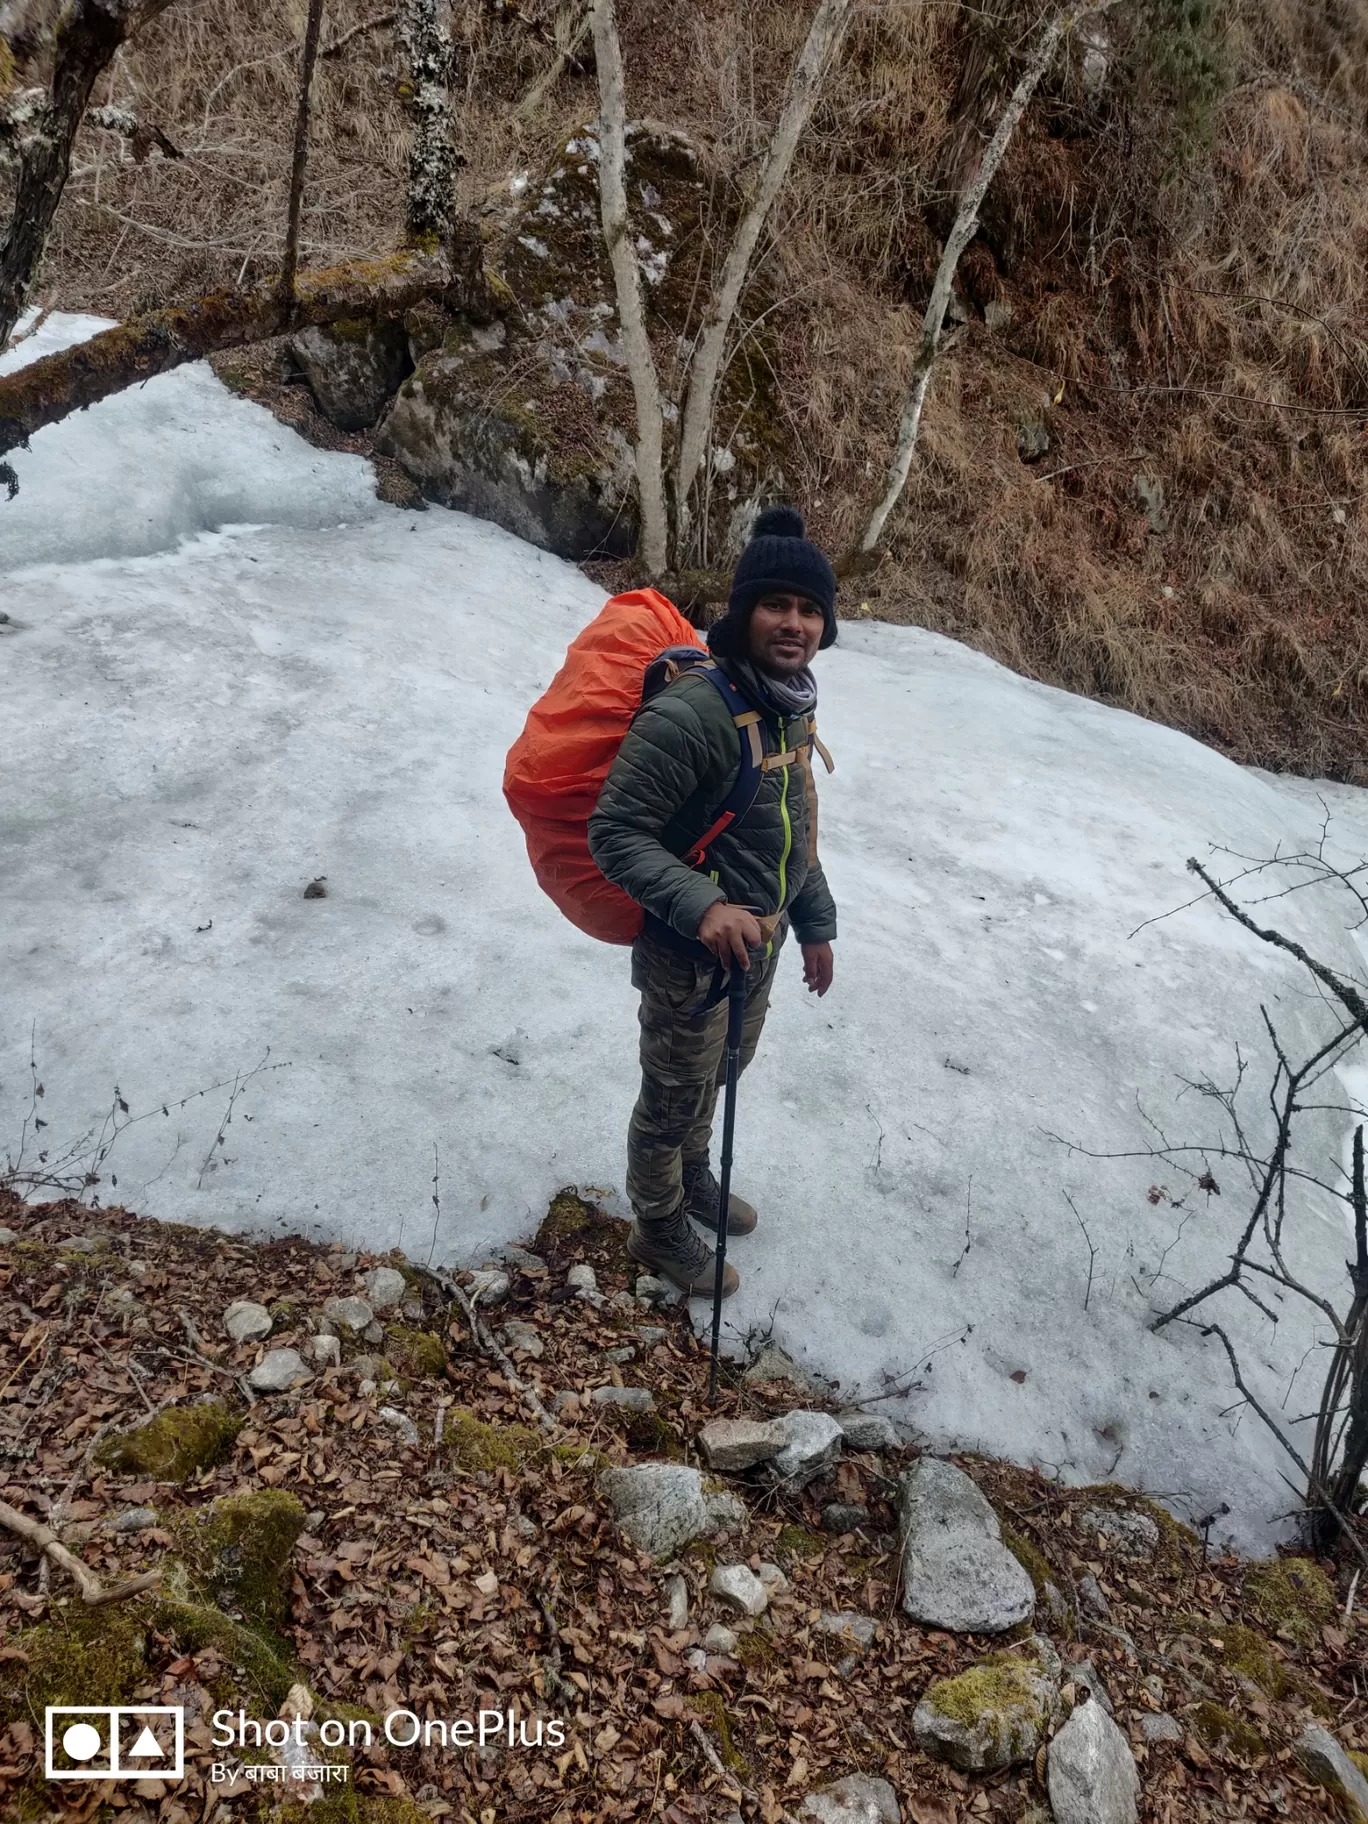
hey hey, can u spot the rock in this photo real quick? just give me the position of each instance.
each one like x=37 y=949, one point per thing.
x=843 y=1516
x=739 y=1587
x=368 y=1367
x=526 y=1261
x=620 y=1357
x=354 y=368
x=773 y=1579
x=696 y=1660
x=653 y=1291
x=1055 y=1605
x=1160 y=1727
x=650 y=1334
x=400 y=1422
x=489 y=1286
x=626 y=1302
x=1327 y=1763
x=719 y=1639
x=582 y=1277
x=1091 y=1598
x=326 y=1352
x=133 y=1520
x=517 y=1335
x=278 y=1371
x=80 y=1244
x=635 y=1399
x=1128 y=1534
x=1083 y=1674
x=374 y=1333
x=812 y=1444
x=566 y=1399
x=867 y=1431
x=735 y=1444
x=8 y=1237
x=994 y=1715
x=855 y=1630
x=529 y=420
x=349 y=1314
x=385 y=1288
x=859 y=1798
x=661 y=1506
x=997 y=314
x=1149 y=492
x=773 y=1365
x=246 y=1321
x=174 y=1444
x=1153 y=1686
x=365 y=1388
x=677 y=1594
x=1092 y=1777
x=1033 y=440
x=957 y=1573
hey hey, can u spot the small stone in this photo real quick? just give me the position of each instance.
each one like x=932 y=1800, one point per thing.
x=859 y=1798
x=1092 y=1776
x=1091 y=1597
x=844 y=1516
x=489 y=1286
x=619 y=1357
x=719 y=1639
x=367 y=1367
x=1083 y=1673
x=736 y=1444
x=997 y=314
x=374 y=1333
x=385 y=1287
x=400 y=1422
x=867 y=1431
x=662 y=1506
x=1153 y=1687
x=1033 y=440
x=1327 y=1763
x=7 y=1237
x=677 y=1594
x=326 y=1352
x=524 y=1260
x=517 y=1335
x=653 y=1291
x=696 y=1660
x=365 y=1388
x=635 y=1399
x=773 y=1365
x=1127 y=1534
x=1158 y=1726
x=650 y=1335
x=351 y=1313
x=80 y=1244
x=739 y=1587
x=566 y=1400
x=412 y=1311
x=246 y=1321
x=133 y=1520
x=774 y=1581
x=626 y=1302
x=278 y=1371
x=582 y=1277
x=813 y=1444
x=846 y=1625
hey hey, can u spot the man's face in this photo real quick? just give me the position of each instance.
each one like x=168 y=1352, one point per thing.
x=785 y=632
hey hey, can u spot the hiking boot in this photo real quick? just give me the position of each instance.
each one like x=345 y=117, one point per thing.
x=673 y=1248
x=702 y=1194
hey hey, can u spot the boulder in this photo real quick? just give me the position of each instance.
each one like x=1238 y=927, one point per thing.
x=530 y=420
x=735 y=1444
x=996 y=1714
x=385 y=1287
x=867 y=1431
x=1092 y=1776
x=739 y=1587
x=1327 y=1763
x=354 y=368
x=1125 y=1532
x=860 y=1798
x=278 y=1371
x=812 y=1444
x=661 y=1506
x=246 y=1321
x=957 y=1573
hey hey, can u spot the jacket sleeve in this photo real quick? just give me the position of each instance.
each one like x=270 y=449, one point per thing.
x=663 y=759
x=813 y=912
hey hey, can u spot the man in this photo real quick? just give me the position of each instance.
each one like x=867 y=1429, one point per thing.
x=677 y=765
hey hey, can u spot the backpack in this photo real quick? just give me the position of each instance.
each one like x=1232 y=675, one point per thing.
x=636 y=645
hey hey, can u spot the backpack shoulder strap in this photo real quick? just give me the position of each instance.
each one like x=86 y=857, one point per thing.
x=749 y=725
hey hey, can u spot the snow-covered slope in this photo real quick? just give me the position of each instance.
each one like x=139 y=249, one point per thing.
x=195 y=734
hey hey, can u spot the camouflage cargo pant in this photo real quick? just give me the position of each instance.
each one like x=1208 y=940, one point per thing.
x=683 y=1065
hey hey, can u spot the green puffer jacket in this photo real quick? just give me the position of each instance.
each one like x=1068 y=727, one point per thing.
x=679 y=760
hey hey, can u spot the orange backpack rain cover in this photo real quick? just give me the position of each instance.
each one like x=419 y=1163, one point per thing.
x=557 y=765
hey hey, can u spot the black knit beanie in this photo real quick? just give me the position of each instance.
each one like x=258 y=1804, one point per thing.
x=779 y=556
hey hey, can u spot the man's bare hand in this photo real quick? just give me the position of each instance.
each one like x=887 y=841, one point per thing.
x=818 y=968
x=729 y=932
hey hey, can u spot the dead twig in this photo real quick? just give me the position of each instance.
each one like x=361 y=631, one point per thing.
x=46 y=1541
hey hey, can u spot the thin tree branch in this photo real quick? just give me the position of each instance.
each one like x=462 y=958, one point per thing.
x=289 y=264
x=376 y=24
x=47 y=1542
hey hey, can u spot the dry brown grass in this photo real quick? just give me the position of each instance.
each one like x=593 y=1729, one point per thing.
x=1205 y=329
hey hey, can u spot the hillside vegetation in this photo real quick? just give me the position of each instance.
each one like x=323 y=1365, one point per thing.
x=1142 y=471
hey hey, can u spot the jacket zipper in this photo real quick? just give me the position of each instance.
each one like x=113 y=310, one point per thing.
x=788 y=829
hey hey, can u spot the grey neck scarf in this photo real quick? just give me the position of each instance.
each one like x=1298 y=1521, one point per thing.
x=795 y=696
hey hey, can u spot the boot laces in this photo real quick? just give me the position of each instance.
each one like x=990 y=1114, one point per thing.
x=679 y=1238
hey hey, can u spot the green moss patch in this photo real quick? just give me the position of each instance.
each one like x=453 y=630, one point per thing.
x=476 y=1444
x=574 y=1229
x=415 y=1353
x=174 y=1445
x=259 y=1667
x=82 y=1655
x=799 y=1542
x=1225 y=1733
x=1293 y=1594
x=237 y=1554
x=1031 y=1559
x=711 y=1709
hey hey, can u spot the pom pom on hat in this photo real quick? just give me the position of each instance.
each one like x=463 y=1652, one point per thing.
x=779 y=522
x=779 y=558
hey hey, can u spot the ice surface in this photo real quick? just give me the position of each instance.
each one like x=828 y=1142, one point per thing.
x=193 y=736
x=175 y=456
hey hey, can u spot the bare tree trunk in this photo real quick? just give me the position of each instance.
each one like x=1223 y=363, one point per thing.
x=87 y=37
x=289 y=265
x=425 y=31
x=653 y=546
x=49 y=390
x=963 y=231
x=705 y=367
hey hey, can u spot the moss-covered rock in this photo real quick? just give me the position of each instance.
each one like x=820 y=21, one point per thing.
x=254 y=1666
x=1293 y=1594
x=237 y=1554
x=80 y=1655
x=1225 y=1733
x=174 y=1445
x=1031 y=1559
x=798 y=1542
x=415 y=1353
x=354 y=367
x=476 y=1444
x=994 y=1715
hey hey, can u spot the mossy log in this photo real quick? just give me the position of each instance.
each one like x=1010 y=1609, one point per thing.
x=387 y=285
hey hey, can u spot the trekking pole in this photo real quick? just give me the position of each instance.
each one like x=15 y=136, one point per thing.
x=736 y=1013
